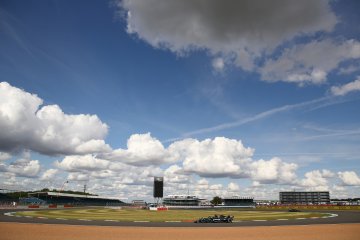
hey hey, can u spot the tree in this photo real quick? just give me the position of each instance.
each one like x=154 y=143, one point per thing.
x=216 y=200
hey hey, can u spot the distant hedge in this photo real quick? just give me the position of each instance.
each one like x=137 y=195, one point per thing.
x=310 y=207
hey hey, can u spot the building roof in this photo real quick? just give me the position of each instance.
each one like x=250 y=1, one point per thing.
x=57 y=194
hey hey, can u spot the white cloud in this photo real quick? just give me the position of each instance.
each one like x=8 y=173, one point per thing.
x=243 y=29
x=174 y=174
x=349 y=178
x=223 y=157
x=273 y=171
x=49 y=174
x=142 y=150
x=309 y=62
x=220 y=157
x=24 y=168
x=86 y=162
x=47 y=129
x=247 y=34
x=346 y=88
x=233 y=187
x=75 y=176
x=317 y=180
x=349 y=69
x=216 y=187
x=218 y=64
x=4 y=156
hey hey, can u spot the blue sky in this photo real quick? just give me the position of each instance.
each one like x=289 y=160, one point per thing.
x=191 y=86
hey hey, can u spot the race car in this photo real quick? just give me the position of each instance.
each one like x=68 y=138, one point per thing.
x=294 y=210
x=216 y=219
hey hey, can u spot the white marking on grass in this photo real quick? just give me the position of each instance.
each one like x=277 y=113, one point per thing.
x=282 y=219
x=88 y=220
x=259 y=220
x=110 y=220
x=61 y=218
x=300 y=218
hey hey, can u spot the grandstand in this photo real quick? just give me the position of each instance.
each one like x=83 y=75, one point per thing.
x=238 y=201
x=4 y=199
x=72 y=199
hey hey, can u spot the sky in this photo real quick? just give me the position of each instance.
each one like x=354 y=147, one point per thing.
x=221 y=98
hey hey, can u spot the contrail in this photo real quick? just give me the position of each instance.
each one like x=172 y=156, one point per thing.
x=253 y=118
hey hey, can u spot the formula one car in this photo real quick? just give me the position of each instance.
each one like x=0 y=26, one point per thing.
x=216 y=219
x=294 y=210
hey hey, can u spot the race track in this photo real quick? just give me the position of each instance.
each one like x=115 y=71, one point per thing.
x=337 y=218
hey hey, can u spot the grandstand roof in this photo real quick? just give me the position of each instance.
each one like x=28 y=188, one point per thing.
x=57 y=194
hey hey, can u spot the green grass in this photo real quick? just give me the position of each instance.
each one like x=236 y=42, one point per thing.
x=127 y=215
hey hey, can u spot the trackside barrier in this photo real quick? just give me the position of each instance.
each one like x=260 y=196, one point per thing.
x=158 y=208
x=33 y=206
x=49 y=206
x=162 y=208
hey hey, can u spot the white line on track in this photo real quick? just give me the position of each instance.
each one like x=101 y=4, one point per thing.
x=61 y=218
x=88 y=220
x=110 y=220
x=140 y=221
x=173 y=221
x=314 y=217
x=259 y=220
x=300 y=218
x=282 y=219
x=43 y=217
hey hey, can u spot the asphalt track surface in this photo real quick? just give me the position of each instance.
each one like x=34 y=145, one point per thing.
x=342 y=217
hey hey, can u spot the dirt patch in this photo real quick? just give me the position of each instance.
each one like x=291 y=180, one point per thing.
x=17 y=231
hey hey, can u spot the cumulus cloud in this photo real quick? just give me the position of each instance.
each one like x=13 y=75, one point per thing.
x=4 y=156
x=245 y=30
x=346 y=88
x=142 y=150
x=78 y=162
x=24 y=168
x=174 y=174
x=349 y=69
x=218 y=64
x=233 y=187
x=214 y=158
x=309 y=62
x=78 y=176
x=25 y=124
x=49 y=174
x=220 y=157
x=349 y=178
x=273 y=171
x=223 y=157
x=317 y=180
